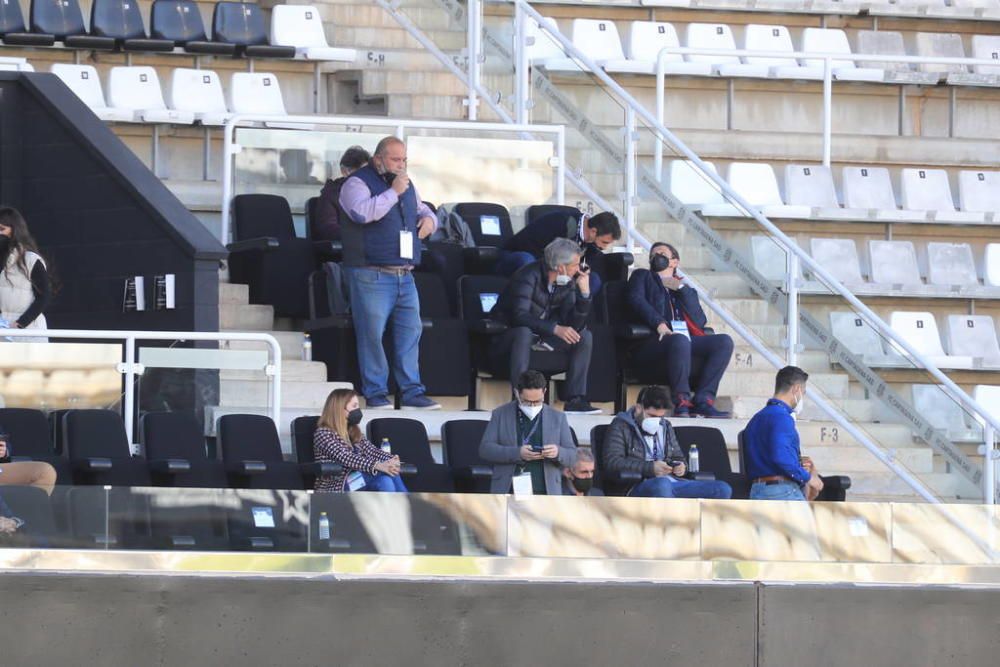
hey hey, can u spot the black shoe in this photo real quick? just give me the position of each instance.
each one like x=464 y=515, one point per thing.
x=706 y=408
x=579 y=406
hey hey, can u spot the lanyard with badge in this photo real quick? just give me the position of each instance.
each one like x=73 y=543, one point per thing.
x=521 y=483
x=677 y=324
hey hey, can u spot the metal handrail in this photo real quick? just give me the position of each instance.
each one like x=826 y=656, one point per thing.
x=230 y=148
x=787 y=244
x=792 y=57
x=130 y=367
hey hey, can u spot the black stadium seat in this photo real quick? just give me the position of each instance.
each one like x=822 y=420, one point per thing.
x=444 y=344
x=537 y=211
x=613 y=484
x=29 y=438
x=267 y=256
x=460 y=440
x=409 y=441
x=180 y=22
x=251 y=452
x=713 y=455
x=122 y=21
x=98 y=449
x=834 y=486
x=175 y=449
x=242 y=24
x=491 y=228
x=64 y=20
x=303 y=429
x=13 y=30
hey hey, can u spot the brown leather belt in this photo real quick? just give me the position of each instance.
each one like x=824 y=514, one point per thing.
x=773 y=479
x=392 y=270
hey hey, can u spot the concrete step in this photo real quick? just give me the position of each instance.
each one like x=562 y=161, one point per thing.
x=294 y=393
x=750 y=311
x=290 y=342
x=771 y=334
x=366 y=37
x=292 y=370
x=725 y=285
x=359 y=15
x=860 y=410
x=949 y=487
x=851 y=460
x=375 y=82
x=234 y=294
x=761 y=383
x=252 y=317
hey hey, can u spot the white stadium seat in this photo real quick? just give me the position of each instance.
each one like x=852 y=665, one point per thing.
x=928 y=190
x=757 y=184
x=951 y=264
x=545 y=51
x=976 y=4
x=758 y=37
x=973 y=336
x=645 y=41
x=979 y=191
x=949 y=45
x=839 y=257
x=198 y=91
x=986 y=47
x=9 y=64
x=889 y=43
x=813 y=186
x=833 y=40
x=720 y=36
x=991 y=265
x=941 y=411
x=861 y=340
x=921 y=332
x=256 y=93
x=987 y=396
x=690 y=188
x=138 y=89
x=84 y=82
x=870 y=188
x=301 y=26
x=894 y=263
x=770 y=259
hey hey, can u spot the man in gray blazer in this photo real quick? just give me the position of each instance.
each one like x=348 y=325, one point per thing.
x=528 y=441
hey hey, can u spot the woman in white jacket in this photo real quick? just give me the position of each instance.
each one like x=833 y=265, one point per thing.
x=25 y=287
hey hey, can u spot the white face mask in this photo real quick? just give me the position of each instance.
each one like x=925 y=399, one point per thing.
x=530 y=411
x=651 y=425
x=800 y=405
x=563 y=279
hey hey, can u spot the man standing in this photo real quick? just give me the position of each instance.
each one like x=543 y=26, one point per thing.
x=594 y=234
x=546 y=305
x=771 y=450
x=386 y=220
x=642 y=441
x=528 y=442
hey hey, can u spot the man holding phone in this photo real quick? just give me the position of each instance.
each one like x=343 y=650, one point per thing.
x=386 y=221
x=528 y=442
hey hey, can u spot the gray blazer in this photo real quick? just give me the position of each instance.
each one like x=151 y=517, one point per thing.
x=500 y=446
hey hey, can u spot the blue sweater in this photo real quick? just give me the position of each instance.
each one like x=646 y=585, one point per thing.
x=771 y=444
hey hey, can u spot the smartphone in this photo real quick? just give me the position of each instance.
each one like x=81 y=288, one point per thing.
x=388 y=177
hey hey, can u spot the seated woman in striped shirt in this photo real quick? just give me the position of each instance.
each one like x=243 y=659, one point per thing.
x=338 y=439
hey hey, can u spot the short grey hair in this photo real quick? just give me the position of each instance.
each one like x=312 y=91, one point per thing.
x=561 y=252
x=584 y=455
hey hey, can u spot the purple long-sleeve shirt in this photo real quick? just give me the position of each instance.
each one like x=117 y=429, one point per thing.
x=361 y=207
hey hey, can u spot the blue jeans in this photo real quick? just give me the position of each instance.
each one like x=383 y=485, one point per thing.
x=779 y=491
x=378 y=299
x=382 y=482
x=510 y=261
x=672 y=487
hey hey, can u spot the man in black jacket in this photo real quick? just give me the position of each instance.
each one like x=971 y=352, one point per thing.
x=594 y=235
x=326 y=224
x=642 y=441
x=546 y=305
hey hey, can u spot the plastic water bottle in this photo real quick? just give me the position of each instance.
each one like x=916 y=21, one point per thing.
x=386 y=447
x=324 y=527
x=307 y=348
x=693 y=463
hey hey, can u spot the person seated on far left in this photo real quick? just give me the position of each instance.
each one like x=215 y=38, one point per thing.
x=338 y=439
x=24 y=473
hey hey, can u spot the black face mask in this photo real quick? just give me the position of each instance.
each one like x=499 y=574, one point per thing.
x=658 y=263
x=4 y=244
x=354 y=417
x=583 y=485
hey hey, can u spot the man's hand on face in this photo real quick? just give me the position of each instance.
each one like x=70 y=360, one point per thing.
x=401 y=182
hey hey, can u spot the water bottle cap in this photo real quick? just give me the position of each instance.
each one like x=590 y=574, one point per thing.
x=322 y=513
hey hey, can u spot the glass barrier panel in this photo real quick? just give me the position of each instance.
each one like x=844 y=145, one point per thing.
x=50 y=376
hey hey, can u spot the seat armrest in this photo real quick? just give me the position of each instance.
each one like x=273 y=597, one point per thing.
x=247 y=467
x=20 y=459
x=321 y=468
x=620 y=476
x=486 y=326
x=182 y=541
x=329 y=251
x=709 y=331
x=261 y=243
x=170 y=466
x=93 y=464
x=473 y=472
x=632 y=331
x=836 y=482
x=408 y=469
x=261 y=544
x=702 y=476
x=484 y=253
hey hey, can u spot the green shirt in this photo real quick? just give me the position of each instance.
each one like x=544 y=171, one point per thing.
x=529 y=432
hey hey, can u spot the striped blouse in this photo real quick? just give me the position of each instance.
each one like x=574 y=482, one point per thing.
x=328 y=447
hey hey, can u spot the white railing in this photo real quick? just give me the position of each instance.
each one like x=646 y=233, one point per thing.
x=230 y=148
x=793 y=58
x=130 y=367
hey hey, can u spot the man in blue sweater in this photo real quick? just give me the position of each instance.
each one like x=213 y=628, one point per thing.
x=774 y=460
